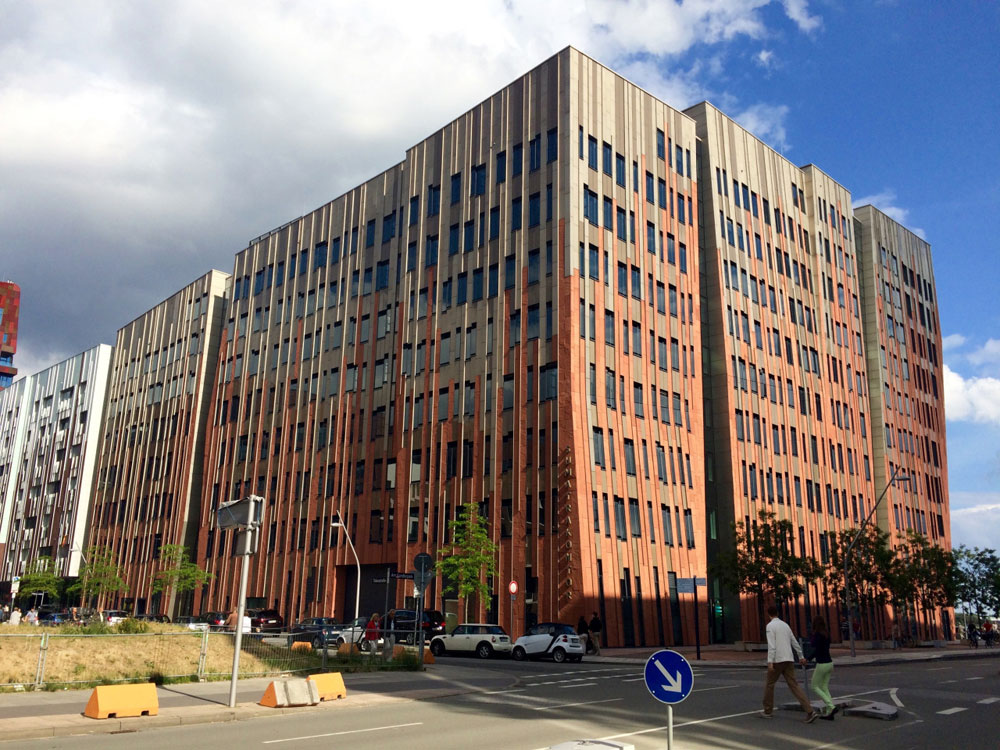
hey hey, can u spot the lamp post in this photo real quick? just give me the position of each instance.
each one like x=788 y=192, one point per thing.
x=336 y=523
x=896 y=476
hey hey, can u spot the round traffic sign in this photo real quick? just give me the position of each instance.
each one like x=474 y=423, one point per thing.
x=513 y=587
x=669 y=677
x=424 y=563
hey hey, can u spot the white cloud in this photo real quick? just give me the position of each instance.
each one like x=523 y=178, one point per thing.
x=765 y=59
x=886 y=202
x=987 y=354
x=952 y=341
x=767 y=122
x=975 y=399
x=976 y=525
x=798 y=11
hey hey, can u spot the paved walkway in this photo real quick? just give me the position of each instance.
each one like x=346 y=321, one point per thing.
x=39 y=714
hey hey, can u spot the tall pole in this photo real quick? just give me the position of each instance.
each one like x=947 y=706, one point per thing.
x=241 y=609
x=357 y=587
x=847 y=554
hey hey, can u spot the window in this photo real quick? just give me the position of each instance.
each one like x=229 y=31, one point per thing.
x=660 y=146
x=433 y=200
x=535 y=153
x=606 y=158
x=552 y=145
x=620 y=170
x=477 y=184
x=629 y=457
x=501 y=167
x=456 y=191
x=592 y=152
x=598 y=447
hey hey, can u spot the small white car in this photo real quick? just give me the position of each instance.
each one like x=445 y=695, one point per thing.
x=483 y=640
x=549 y=640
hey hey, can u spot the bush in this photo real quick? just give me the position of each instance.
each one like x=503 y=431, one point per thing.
x=91 y=628
x=131 y=626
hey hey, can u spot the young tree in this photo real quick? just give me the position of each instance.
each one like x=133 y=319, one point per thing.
x=179 y=574
x=472 y=559
x=39 y=577
x=871 y=566
x=978 y=579
x=761 y=563
x=932 y=571
x=98 y=576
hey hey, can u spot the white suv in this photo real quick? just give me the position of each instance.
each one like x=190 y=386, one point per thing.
x=483 y=640
x=552 y=640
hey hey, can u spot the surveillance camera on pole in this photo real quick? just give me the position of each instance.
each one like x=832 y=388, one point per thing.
x=244 y=516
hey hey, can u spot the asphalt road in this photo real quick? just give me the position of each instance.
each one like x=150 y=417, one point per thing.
x=952 y=704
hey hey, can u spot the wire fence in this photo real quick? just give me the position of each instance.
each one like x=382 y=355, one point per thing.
x=44 y=659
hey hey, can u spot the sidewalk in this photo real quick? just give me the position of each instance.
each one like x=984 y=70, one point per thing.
x=33 y=715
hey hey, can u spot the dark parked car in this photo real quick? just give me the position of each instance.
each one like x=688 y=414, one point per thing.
x=319 y=631
x=55 y=618
x=266 y=620
x=213 y=620
x=405 y=624
x=153 y=617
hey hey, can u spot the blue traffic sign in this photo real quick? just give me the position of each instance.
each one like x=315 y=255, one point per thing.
x=669 y=677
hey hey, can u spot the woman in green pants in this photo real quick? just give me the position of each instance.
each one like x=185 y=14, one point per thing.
x=824 y=667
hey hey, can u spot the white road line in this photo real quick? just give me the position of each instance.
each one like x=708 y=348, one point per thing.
x=988 y=701
x=949 y=711
x=502 y=692
x=338 y=734
x=895 y=698
x=937 y=669
x=975 y=678
x=948 y=682
x=634 y=679
x=568 y=705
x=578 y=685
x=720 y=687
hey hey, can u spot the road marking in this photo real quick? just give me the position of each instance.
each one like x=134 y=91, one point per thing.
x=975 y=678
x=720 y=687
x=895 y=698
x=988 y=701
x=501 y=692
x=577 y=685
x=338 y=734
x=634 y=679
x=949 y=711
x=937 y=669
x=569 y=705
x=948 y=682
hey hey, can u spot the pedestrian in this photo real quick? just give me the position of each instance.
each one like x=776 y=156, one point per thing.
x=896 y=637
x=782 y=648
x=583 y=630
x=246 y=625
x=4 y=613
x=32 y=617
x=596 y=627
x=824 y=667
x=15 y=616
x=988 y=633
x=230 y=623
x=372 y=632
x=971 y=631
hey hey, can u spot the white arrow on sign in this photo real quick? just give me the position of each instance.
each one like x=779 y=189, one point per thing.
x=674 y=685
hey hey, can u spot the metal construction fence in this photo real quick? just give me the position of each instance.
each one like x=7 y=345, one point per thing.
x=43 y=659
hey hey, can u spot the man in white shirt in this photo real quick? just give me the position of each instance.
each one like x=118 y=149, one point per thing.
x=782 y=650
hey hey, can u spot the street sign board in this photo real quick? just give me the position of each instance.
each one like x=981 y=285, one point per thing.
x=512 y=588
x=669 y=677
x=407 y=576
x=423 y=563
x=701 y=581
x=421 y=580
x=380 y=580
x=15 y=585
x=685 y=586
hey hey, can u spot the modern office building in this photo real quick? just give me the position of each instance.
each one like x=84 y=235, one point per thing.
x=152 y=437
x=49 y=434
x=10 y=307
x=508 y=317
x=788 y=388
x=903 y=344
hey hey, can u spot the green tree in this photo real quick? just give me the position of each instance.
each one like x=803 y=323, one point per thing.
x=932 y=571
x=98 y=576
x=179 y=574
x=472 y=557
x=39 y=576
x=872 y=565
x=761 y=563
x=978 y=580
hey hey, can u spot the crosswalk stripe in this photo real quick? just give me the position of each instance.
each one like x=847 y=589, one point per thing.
x=949 y=711
x=988 y=701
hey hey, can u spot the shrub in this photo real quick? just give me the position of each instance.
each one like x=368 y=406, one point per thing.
x=131 y=626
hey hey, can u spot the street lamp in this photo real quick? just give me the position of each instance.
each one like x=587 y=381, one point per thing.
x=896 y=476
x=336 y=523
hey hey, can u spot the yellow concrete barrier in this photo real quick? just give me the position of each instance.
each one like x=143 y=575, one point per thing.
x=347 y=649
x=398 y=650
x=330 y=685
x=428 y=656
x=302 y=646
x=117 y=701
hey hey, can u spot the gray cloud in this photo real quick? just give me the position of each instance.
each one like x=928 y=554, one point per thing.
x=142 y=144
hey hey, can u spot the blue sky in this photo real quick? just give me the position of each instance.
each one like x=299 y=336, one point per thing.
x=142 y=144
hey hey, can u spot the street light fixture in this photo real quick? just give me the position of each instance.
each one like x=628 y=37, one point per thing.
x=336 y=523
x=896 y=477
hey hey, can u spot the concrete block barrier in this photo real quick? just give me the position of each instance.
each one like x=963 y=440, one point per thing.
x=285 y=693
x=118 y=701
x=330 y=685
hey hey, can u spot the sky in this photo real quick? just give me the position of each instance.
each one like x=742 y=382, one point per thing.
x=143 y=143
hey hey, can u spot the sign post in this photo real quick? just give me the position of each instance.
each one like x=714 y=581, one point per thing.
x=422 y=575
x=670 y=679
x=513 y=598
